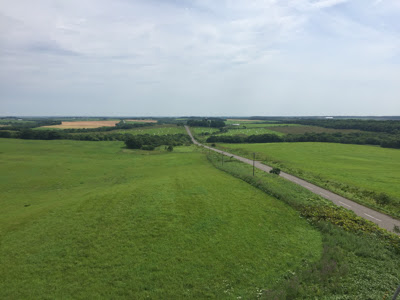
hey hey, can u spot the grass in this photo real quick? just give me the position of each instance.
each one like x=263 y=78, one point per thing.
x=250 y=131
x=351 y=170
x=359 y=260
x=94 y=220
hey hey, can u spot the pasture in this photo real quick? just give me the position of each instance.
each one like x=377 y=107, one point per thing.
x=250 y=131
x=351 y=170
x=94 y=220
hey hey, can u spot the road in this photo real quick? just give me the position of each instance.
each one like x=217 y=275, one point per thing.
x=381 y=219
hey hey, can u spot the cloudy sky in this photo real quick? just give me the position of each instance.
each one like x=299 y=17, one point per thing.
x=199 y=57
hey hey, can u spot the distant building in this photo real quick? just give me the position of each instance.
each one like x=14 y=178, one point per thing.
x=235 y=124
x=328 y=117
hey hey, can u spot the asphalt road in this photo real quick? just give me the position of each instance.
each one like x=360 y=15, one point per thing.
x=381 y=219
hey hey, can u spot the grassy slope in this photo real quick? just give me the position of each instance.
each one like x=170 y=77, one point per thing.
x=357 y=262
x=366 y=167
x=82 y=219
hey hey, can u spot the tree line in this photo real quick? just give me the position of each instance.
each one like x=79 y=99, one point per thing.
x=215 y=123
x=359 y=138
x=149 y=142
x=388 y=126
x=144 y=139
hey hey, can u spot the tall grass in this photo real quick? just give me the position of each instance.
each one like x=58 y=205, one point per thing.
x=359 y=260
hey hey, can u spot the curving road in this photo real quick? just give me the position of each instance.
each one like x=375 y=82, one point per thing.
x=381 y=219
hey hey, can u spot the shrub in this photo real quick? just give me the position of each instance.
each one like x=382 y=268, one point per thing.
x=148 y=147
x=276 y=171
x=382 y=199
x=133 y=143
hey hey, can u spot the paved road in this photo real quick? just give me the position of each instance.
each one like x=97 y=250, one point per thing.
x=382 y=220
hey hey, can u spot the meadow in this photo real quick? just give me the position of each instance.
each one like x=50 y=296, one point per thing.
x=359 y=260
x=96 y=220
x=250 y=131
x=353 y=171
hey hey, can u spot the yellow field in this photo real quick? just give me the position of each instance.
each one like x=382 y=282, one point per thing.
x=83 y=124
x=142 y=121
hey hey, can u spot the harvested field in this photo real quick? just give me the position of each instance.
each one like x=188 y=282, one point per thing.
x=142 y=121
x=83 y=124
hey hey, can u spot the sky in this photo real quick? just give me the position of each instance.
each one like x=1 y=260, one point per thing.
x=199 y=57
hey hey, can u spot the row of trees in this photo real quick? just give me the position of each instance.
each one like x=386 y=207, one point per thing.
x=145 y=139
x=149 y=142
x=216 y=123
x=384 y=140
x=14 y=125
x=388 y=126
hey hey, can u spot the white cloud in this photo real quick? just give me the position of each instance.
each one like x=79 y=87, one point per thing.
x=201 y=50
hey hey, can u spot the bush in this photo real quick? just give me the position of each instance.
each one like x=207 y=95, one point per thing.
x=382 y=199
x=170 y=148
x=276 y=171
x=133 y=143
x=148 y=147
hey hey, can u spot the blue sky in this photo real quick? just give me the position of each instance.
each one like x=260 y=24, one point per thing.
x=172 y=58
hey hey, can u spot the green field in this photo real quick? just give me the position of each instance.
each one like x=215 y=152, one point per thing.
x=94 y=220
x=250 y=131
x=200 y=130
x=351 y=170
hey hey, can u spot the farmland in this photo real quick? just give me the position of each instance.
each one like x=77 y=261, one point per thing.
x=95 y=220
x=83 y=124
x=250 y=131
x=351 y=170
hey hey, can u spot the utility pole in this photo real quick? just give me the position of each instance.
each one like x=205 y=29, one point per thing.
x=396 y=293
x=254 y=158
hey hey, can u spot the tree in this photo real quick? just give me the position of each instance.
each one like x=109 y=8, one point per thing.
x=133 y=143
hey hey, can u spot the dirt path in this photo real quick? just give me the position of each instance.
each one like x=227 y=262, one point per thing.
x=381 y=219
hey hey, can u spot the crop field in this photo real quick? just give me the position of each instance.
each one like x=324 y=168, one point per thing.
x=345 y=169
x=83 y=124
x=250 y=131
x=95 y=220
x=200 y=130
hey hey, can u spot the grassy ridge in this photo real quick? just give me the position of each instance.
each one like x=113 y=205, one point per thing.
x=353 y=171
x=92 y=220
